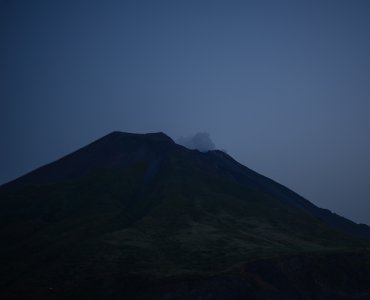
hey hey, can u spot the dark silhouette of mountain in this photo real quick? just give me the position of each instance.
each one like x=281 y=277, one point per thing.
x=138 y=216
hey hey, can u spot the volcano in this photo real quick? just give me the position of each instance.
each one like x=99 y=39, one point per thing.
x=137 y=216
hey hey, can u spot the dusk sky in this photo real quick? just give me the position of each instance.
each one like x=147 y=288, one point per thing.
x=283 y=86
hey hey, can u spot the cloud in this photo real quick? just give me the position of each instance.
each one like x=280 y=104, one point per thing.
x=200 y=141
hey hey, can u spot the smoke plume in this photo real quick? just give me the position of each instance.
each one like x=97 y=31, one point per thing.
x=200 y=141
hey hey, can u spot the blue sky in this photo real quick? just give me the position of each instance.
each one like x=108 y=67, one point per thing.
x=283 y=86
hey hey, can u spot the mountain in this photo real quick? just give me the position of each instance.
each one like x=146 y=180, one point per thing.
x=136 y=216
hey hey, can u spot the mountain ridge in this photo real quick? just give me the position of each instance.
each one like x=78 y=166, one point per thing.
x=225 y=164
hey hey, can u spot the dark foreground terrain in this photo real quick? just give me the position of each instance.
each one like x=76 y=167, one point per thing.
x=308 y=276
x=135 y=216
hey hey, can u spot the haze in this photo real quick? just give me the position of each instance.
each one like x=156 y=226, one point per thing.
x=283 y=86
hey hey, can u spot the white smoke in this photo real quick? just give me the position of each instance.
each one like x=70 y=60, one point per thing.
x=200 y=141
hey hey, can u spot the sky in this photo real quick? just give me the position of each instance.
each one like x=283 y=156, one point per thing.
x=282 y=86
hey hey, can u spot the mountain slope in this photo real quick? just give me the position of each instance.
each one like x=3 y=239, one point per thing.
x=140 y=205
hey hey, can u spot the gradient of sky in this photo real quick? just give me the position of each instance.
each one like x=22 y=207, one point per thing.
x=283 y=86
